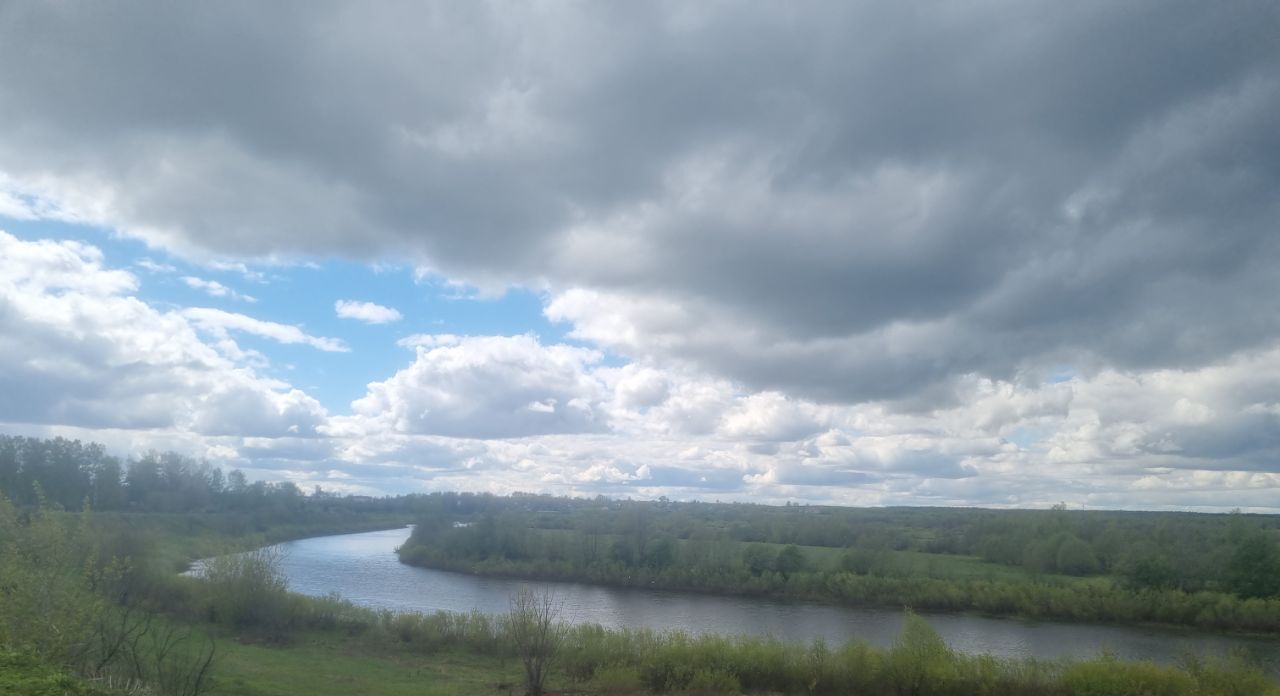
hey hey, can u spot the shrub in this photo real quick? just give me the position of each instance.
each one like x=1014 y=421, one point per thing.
x=919 y=662
x=616 y=680
x=247 y=591
x=712 y=682
x=1106 y=676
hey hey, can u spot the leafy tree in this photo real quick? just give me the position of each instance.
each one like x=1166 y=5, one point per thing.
x=1151 y=570
x=789 y=560
x=620 y=552
x=758 y=558
x=660 y=553
x=108 y=485
x=1076 y=556
x=1254 y=569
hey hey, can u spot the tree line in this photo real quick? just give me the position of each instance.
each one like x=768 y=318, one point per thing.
x=1216 y=571
x=70 y=474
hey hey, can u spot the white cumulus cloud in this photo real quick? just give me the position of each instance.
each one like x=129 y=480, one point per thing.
x=214 y=289
x=78 y=350
x=367 y=312
x=489 y=387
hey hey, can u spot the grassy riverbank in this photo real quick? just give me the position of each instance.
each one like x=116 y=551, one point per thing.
x=437 y=655
x=1215 y=572
x=239 y=631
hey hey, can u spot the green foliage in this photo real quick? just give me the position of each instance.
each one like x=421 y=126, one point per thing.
x=712 y=682
x=1150 y=570
x=64 y=605
x=920 y=662
x=78 y=590
x=69 y=473
x=46 y=579
x=26 y=675
x=1075 y=557
x=638 y=661
x=1107 y=676
x=659 y=553
x=1254 y=569
x=246 y=590
x=1041 y=563
x=614 y=680
x=1231 y=675
x=789 y=560
x=363 y=654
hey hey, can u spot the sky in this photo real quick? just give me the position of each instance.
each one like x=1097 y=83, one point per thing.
x=1003 y=254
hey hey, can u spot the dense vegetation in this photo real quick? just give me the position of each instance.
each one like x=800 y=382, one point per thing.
x=90 y=603
x=93 y=593
x=1215 y=571
x=238 y=630
x=69 y=474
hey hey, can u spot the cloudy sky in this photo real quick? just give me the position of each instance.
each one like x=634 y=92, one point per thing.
x=876 y=253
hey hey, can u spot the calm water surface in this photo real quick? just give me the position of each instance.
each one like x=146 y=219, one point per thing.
x=364 y=569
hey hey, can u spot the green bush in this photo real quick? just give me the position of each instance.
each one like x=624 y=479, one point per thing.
x=712 y=682
x=47 y=576
x=247 y=591
x=1107 y=676
x=617 y=680
x=919 y=662
x=1230 y=675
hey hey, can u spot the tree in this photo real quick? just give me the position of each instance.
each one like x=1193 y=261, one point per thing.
x=108 y=485
x=789 y=560
x=537 y=633
x=920 y=660
x=1254 y=569
x=758 y=558
x=1076 y=556
x=660 y=553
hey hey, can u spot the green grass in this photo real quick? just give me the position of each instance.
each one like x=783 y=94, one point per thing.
x=824 y=558
x=921 y=564
x=23 y=675
x=318 y=664
x=950 y=566
x=174 y=540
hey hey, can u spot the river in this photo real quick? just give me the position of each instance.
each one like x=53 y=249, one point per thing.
x=364 y=569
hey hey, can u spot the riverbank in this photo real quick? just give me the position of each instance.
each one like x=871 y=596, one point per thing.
x=363 y=567
x=698 y=548
x=264 y=641
x=339 y=649
x=1076 y=602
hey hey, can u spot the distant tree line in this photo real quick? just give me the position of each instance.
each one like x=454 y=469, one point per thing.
x=69 y=473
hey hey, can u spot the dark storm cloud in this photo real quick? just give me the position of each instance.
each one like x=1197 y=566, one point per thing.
x=851 y=201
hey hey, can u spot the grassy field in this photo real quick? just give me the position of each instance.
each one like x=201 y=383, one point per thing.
x=23 y=675
x=931 y=565
x=320 y=664
x=887 y=562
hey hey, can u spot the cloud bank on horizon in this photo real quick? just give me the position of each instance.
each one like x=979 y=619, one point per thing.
x=868 y=253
